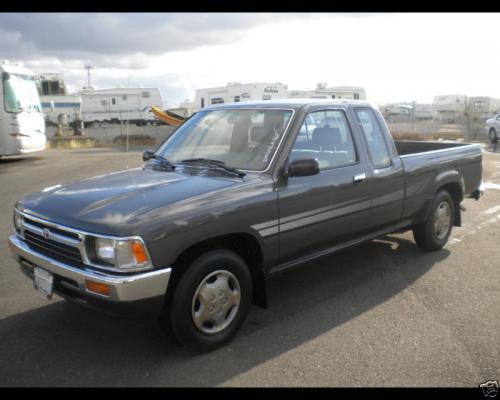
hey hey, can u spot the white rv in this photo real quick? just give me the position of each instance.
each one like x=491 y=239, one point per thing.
x=449 y=107
x=322 y=91
x=22 y=127
x=57 y=104
x=235 y=92
x=116 y=104
x=483 y=106
x=408 y=110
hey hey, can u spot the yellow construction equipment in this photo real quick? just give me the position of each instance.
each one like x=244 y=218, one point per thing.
x=167 y=117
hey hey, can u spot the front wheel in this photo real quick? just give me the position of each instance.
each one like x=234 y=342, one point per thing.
x=211 y=301
x=493 y=135
x=433 y=233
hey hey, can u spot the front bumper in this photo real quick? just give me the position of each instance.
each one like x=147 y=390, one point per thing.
x=143 y=291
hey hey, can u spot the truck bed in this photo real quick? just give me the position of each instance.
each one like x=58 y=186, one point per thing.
x=424 y=161
x=407 y=147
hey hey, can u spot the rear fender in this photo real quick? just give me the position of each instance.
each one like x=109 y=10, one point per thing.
x=452 y=181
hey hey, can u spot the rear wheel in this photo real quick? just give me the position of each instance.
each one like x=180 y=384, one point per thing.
x=433 y=233
x=210 y=302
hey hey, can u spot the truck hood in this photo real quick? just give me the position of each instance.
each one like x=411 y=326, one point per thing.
x=106 y=203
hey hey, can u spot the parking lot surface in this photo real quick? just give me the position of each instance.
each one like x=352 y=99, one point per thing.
x=381 y=314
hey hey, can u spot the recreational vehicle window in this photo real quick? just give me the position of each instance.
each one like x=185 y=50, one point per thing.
x=20 y=93
x=236 y=99
x=113 y=101
x=124 y=97
x=202 y=102
x=45 y=88
x=145 y=95
x=217 y=100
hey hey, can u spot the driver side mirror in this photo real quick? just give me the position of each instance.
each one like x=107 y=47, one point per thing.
x=147 y=155
x=304 y=167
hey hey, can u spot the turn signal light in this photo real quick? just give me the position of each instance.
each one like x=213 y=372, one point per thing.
x=139 y=252
x=99 y=288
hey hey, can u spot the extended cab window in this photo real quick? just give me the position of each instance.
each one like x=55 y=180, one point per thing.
x=326 y=137
x=377 y=148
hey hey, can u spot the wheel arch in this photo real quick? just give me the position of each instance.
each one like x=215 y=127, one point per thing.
x=242 y=243
x=454 y=185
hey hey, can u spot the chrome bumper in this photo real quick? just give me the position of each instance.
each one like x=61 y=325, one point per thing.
x=122 y=288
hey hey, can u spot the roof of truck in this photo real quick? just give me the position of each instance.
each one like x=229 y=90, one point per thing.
x=288 y=103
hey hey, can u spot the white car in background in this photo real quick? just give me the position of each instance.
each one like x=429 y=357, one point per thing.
x=493 y=128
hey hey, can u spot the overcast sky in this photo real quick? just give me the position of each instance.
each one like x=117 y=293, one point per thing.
x=395 y=57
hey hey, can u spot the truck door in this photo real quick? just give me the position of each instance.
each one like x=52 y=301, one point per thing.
x=386 y=176
x=317 y=212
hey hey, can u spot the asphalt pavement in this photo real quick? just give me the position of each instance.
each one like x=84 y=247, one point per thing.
x=382 y=314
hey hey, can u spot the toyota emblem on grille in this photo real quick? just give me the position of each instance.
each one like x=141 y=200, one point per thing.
x=46 y=234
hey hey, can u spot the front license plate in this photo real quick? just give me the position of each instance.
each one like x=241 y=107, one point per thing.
x=44 y=282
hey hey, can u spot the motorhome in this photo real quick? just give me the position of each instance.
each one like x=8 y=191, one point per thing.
x=22 y=126
x=120 y=104
x=57 y=104
x=235 y=92
x=322 y=91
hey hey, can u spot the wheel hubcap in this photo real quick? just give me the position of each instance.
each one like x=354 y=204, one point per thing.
x=216 y=302
x=442 y=220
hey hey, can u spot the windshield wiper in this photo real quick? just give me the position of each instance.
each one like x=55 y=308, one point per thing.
x=214 y=163
x=163 y=162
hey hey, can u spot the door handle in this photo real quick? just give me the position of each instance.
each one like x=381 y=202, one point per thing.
x=359 y=177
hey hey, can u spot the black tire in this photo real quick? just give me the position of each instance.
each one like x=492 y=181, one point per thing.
x=425 y=233
x=178 y=318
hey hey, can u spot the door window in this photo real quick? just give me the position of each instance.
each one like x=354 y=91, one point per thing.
x=377 y=148
x=326 y=137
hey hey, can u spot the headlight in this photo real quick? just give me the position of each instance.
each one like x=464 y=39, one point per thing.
x=127 y=254
x=18 y=221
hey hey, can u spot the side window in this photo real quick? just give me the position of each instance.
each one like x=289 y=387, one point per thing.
x=217 y=100
x=377 y=148
x=326 y=137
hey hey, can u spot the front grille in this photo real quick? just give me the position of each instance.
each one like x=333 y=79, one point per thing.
x=52 y=248
x=71 y=235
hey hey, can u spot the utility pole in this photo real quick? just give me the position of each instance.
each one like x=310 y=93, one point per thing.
x=88 y=68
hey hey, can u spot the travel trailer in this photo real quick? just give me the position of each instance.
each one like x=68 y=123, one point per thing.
x=57 y=105
x=483 y=107
x=116 y=104
x=449 y=107
x=322 y=91
x=405 y=111
x=235 y=92
x=22 y=127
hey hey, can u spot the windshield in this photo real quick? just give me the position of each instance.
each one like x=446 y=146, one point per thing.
x=242 y=139
x=20 y=93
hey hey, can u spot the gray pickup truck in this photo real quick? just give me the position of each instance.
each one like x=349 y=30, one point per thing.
x=239 y=192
